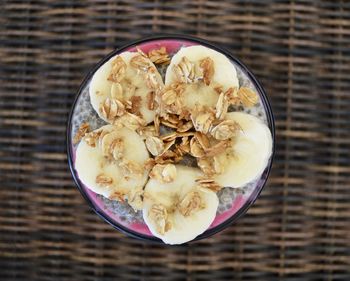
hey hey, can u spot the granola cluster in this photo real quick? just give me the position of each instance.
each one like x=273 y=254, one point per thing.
x=202 y=132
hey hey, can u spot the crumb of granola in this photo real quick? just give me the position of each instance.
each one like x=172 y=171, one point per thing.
x=207 y=65
x=151 y=100
x=247 y=96
x=164 y=173
x=154 y=145
x=191 y=203
x=136 y=105
x=82 y=130
x=159 y=56
x=103 y=180
x=209 y=183
x=92 y=138
x=159 y=215
x=118 y=70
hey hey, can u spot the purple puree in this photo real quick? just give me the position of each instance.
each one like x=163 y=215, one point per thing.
x=227 y=208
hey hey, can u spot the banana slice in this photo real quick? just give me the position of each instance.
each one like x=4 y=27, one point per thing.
x=246 y=160
x=204 y=72
x=128 y=77
x=175 y=208
x=111 y=161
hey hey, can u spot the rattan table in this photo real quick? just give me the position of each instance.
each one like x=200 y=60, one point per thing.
x=299 y=229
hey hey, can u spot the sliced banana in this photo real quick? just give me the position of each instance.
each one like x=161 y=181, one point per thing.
x=111 y=161
x=246 y=160
x=178 y=202
x=179 y=210
x=132 y=82
x=203 y=86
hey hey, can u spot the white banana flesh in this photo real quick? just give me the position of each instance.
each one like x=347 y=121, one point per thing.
x=178 y=226
x=91 y=162
x=200 y=94
x=133 y=84
x=248 y=157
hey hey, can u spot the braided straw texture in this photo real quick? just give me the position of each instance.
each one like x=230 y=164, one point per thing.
x=299 y=229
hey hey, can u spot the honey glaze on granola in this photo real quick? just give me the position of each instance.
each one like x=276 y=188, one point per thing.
x=186 y=136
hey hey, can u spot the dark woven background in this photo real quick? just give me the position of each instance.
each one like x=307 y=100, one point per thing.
x=299 y=229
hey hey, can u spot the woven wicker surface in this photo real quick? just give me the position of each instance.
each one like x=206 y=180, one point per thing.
x=299 y=229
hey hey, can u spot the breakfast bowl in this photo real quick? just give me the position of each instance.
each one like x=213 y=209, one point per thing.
x=170 y=139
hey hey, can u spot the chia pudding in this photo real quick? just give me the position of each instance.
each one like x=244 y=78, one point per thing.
x=231 y=200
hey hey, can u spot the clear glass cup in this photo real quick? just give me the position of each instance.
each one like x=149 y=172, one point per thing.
x=233 y=203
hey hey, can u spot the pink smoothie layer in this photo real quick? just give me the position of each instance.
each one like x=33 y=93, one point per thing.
x=172 y=46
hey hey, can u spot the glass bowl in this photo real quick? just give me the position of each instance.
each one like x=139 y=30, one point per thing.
x=233 y=202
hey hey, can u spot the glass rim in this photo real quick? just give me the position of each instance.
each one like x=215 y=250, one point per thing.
x=270 y=120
